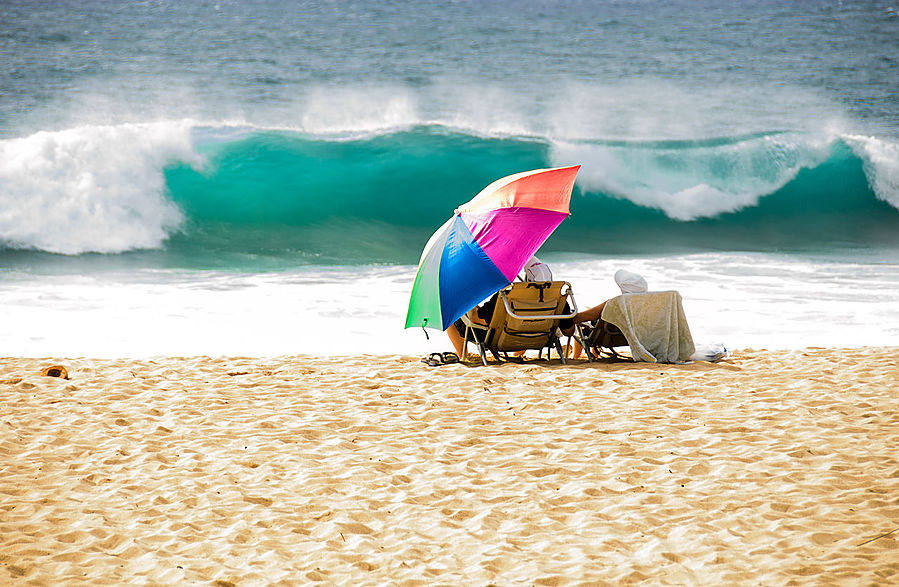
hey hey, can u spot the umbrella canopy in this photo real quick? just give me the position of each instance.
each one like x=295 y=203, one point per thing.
x=486 y=243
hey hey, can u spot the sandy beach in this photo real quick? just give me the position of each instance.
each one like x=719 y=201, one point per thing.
x=769 y=468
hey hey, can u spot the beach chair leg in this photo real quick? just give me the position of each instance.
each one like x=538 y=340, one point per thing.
x=559 y=350
x=582 y=340
x=483 y=354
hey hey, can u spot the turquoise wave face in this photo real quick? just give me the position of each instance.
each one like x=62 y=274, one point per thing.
x=284 y=195
x=411 y=178
x=378 y=199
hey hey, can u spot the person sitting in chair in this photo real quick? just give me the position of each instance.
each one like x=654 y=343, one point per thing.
x=535 y=270
x=627 y=282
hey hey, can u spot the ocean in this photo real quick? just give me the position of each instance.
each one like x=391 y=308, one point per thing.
x=259 y=177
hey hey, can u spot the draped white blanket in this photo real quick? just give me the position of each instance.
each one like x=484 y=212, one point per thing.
x=654 y=325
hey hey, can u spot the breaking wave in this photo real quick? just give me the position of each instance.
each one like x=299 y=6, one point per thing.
x=207 y=190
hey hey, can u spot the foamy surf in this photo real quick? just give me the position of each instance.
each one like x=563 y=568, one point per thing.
x=741 y=300
x=92 y=188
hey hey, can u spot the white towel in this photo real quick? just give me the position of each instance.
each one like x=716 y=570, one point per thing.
x=654 y=325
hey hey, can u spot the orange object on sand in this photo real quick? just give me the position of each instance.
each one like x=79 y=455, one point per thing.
x=55 y=371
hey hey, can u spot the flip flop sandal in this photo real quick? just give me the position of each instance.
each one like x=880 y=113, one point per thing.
x=433 y=360
x=450 y=358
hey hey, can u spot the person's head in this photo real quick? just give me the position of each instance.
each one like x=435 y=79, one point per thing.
x=536 y=270
x=630 y=282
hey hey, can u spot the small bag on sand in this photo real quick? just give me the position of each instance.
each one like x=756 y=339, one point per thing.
x=710 y=352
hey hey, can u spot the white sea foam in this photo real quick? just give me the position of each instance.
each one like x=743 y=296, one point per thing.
x=646 y=109
x=652 y=109
x=354 y=110
x=881 y=165
x=744 y=301
x=91 y=188
x=342 y=110
x=762 y=300
x=696 y=181
x=563 y=109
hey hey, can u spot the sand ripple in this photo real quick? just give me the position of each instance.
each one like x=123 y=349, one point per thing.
x=770 y=468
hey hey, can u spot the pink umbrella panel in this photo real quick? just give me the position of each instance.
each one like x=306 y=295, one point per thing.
x=486 y=244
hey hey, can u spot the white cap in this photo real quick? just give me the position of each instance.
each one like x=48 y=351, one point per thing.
x=536 y=270
x=630 y=282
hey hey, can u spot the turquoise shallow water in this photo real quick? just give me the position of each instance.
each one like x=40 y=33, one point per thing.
x=151 y=140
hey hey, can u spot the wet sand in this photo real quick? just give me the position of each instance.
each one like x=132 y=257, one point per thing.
x=769 y=468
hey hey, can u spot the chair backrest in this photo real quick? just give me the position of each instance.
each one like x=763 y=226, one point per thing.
x=527 y=314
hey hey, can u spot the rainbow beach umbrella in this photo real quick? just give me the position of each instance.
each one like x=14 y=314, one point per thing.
x=486 y=243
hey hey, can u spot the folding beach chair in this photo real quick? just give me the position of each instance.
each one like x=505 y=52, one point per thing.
x=526 y=317
x=652 y=324
x=602 y=337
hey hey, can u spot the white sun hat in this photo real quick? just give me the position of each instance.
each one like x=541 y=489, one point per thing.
x=630 y=282
x=537 y=270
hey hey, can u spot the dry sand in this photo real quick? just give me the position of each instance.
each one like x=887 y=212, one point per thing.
x=771 y=468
